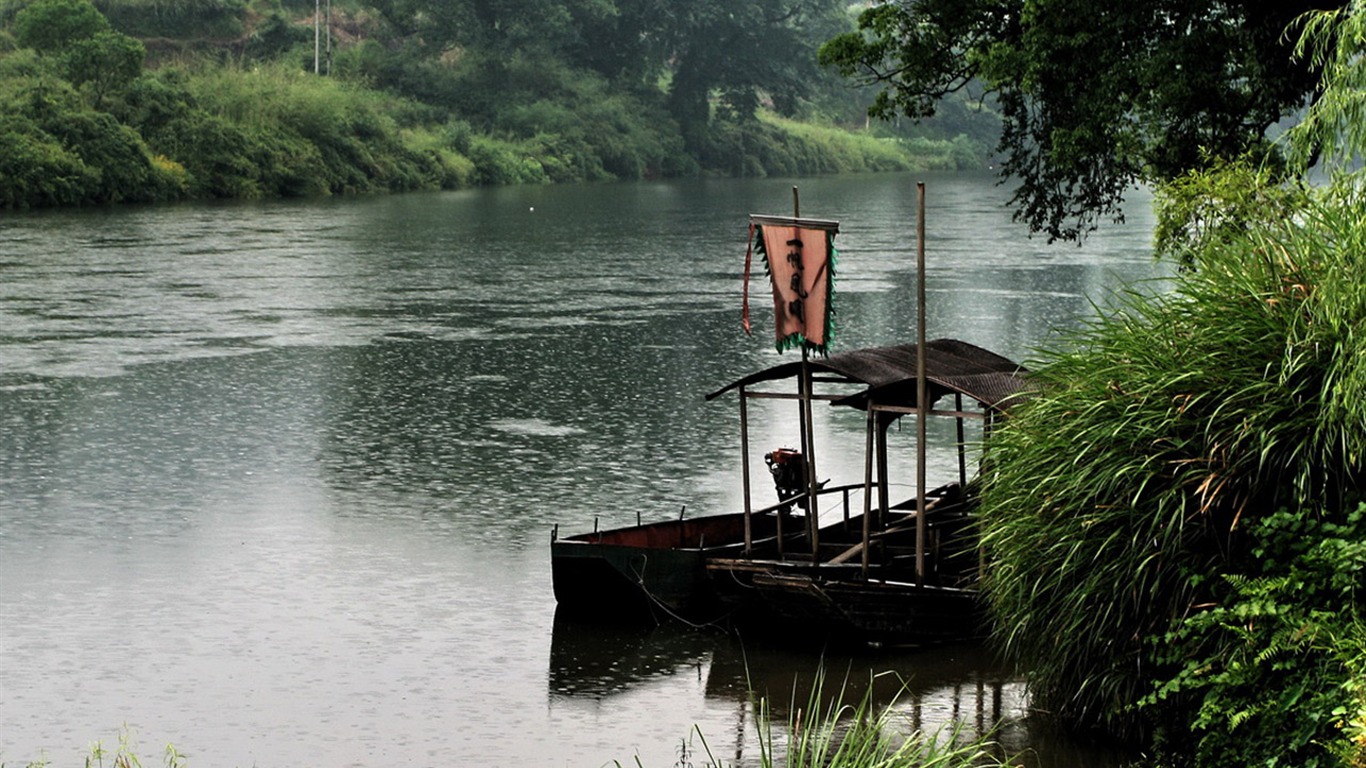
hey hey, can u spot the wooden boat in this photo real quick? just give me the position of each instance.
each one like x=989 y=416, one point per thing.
x=657 y=571
x=854 y=578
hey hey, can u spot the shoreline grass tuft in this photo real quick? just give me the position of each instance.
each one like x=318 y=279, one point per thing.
x=839 y=732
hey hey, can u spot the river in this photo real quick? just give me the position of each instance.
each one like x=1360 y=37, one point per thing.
x=277 y=479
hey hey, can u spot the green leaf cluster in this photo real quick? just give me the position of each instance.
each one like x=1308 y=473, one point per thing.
x=1275 y=673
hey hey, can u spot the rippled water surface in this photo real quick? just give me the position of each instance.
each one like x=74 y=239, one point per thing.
x=277 y=480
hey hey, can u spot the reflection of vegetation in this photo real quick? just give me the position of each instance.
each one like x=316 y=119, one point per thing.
x=1179 y=523
x=221 y=99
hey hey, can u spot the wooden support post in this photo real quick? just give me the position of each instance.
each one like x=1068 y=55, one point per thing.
x=812 y=484
x=744 y=470
x=868 y=487
x=962 y=449
x=884 y=490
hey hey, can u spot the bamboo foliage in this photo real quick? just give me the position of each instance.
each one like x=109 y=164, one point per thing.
x=1335 y=126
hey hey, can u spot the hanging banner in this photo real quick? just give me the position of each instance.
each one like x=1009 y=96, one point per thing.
x=800 y=258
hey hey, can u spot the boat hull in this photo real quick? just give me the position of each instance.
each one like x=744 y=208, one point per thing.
x=866 y=612
x=650 y=571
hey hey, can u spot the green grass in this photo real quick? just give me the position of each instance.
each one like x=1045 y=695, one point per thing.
x=123 y=755
x=832 y=731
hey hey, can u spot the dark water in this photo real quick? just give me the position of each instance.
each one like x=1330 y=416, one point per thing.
x=277 y=480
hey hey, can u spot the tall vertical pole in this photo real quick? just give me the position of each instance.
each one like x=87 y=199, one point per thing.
x=962 y=443
x=868 y=486
x=317 y=31
x=328 y=28
x=922 y=408
x=808 y=430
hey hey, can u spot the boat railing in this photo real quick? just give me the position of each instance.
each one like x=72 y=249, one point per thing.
x=791 y=501
x=781 y=508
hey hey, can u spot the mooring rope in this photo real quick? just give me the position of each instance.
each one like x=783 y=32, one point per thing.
x=640 y=582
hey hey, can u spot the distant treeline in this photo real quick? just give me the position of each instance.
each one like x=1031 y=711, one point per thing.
x=155 y=100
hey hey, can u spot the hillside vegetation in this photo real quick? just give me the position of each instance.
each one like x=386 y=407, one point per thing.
x=149 y=100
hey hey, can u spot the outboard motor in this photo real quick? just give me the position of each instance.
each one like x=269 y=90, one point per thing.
x=788 y=468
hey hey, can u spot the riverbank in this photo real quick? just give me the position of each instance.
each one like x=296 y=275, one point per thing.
x=92 y=118
x=275 y=132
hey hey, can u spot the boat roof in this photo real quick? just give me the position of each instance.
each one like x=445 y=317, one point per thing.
x=889 y=374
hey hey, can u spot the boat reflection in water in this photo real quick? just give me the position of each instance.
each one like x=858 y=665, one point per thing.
x=594 y=659
x=931 y=690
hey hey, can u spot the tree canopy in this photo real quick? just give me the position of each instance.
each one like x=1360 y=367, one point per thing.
x=737 y=51
x=1094 y=96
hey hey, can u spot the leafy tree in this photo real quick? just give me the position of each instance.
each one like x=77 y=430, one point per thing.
x=51 y=25
x=740 y=50
x=1094 y=96
x=93 y=55
x=494 y=28
x=103 y=63
x=627 y=41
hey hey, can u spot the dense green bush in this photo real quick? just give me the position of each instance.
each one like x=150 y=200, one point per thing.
x=176 y=18
x=36 y=170
x=501 y=162
x=120 y=167
x=61 y=152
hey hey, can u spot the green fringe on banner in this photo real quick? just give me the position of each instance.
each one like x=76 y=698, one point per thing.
x=797 y=340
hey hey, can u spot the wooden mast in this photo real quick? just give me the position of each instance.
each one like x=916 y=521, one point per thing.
x=921 y=390
x=808 y=432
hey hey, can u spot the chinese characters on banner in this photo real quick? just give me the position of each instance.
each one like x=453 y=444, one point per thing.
x=800 y=257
